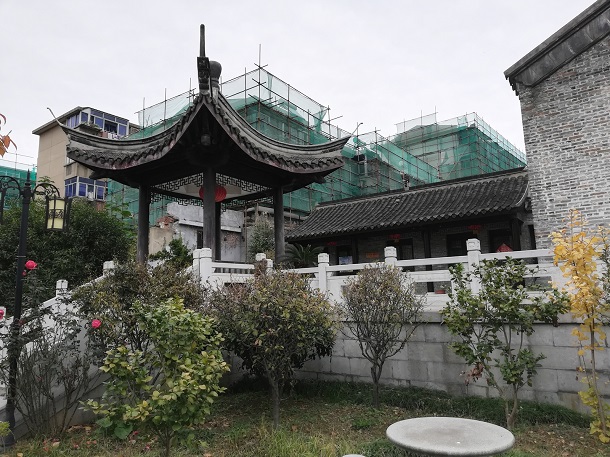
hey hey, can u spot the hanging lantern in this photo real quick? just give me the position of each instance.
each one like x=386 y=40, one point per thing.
x=475 y=228
x=220 y=193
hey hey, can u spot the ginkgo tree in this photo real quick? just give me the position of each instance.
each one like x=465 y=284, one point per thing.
x=577 y=249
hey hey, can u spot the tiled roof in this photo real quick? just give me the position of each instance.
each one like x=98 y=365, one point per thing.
x=483 y=196
x=107 y=157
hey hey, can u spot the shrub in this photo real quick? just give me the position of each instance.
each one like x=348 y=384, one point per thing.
x=382 y=311
x=169 y=387
x=177 y=253
x=491 y=326
x=299 y=256
x=274 y=322
x=112 y=298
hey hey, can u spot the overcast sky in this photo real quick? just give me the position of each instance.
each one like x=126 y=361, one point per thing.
x=376 y=62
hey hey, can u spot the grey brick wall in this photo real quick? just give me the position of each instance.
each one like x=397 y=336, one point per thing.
x=566 y=123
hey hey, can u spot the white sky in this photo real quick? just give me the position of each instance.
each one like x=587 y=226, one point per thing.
x=377 y=62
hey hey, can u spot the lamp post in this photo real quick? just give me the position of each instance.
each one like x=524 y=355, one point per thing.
x=57 y=211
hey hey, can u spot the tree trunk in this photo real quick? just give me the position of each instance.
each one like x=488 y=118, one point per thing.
x=375 y=374
x=275 y=398
x=168 y=446
x=600 y=404
x=511 y=416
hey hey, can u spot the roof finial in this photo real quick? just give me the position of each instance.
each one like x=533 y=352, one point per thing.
x=203 y=64
x=202 y=40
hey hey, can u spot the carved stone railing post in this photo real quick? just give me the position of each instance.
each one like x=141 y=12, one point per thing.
x=390 y=255
x=108 y=267
x=202 y=263
x=323 y=263
x=61 y=288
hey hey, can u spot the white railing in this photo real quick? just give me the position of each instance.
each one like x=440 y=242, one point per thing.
x=331 y=278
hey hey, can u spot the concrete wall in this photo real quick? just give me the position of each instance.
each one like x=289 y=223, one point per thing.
x=566 y=123
x=189 y=219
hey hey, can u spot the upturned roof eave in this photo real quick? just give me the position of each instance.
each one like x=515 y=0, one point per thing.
x=557 y=44
x=115 y=156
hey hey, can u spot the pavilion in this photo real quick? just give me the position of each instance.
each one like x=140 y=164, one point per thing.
x=211 y=153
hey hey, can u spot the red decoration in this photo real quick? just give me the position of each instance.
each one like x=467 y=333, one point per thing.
x=475 y=227
x=394 y=236
x=331 y=243
x=504 y=248
x=2 y=311
x=96 y=323
x=30 y=265
x=220 y=193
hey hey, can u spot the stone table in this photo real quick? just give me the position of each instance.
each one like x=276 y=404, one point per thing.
x=450 y=436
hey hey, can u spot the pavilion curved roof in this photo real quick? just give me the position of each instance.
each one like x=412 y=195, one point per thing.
x=210 y=133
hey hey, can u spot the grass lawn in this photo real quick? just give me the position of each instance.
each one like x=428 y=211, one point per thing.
x=331 y=419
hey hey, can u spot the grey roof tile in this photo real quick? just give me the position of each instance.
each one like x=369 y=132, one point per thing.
x=482 y=196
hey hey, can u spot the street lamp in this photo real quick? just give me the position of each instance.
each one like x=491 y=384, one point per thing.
x=57 y=212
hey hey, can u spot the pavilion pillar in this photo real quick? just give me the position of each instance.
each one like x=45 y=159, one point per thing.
x=278 y=223
x=515 y=226
x=143 y=223
x=217 y=231
x=209 y=210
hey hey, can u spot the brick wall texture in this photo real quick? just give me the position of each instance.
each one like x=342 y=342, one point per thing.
x=566 y=122
x=427 y=361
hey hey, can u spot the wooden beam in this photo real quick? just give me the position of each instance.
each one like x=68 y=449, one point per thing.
x=515 y=227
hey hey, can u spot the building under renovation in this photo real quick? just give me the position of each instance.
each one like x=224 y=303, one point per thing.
x=423 y=151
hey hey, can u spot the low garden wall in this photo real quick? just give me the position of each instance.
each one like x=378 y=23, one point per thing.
x=427 y=361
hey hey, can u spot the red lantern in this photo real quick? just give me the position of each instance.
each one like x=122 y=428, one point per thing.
x=220 y=193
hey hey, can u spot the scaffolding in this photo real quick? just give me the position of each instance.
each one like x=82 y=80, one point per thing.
x=422 y=151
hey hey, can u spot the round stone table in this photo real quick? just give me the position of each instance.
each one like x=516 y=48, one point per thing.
x=450 y=436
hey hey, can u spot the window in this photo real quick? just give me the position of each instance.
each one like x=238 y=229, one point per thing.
x=110 y=127
x=344 y=255
x=85 y=187
x=456 y=243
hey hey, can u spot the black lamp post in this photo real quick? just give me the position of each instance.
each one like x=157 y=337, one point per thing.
x=57 y=211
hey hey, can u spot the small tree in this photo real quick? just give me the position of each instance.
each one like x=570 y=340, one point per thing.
x=176 y=253
x=491 y=326
x=262 y=239
x=76 y=255
x=382 y=311
x=275 y=323
x=576 y=250
x=170 y=387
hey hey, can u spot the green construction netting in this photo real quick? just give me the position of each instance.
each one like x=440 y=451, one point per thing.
x=423 y=151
